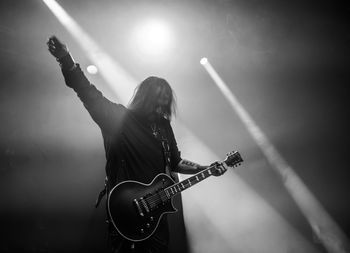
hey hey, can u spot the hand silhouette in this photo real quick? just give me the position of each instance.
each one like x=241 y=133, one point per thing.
x=56 y=47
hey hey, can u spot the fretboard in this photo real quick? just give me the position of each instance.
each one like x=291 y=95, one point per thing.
x=187 y=183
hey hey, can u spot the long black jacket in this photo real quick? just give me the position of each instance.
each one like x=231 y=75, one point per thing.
x=132 y=150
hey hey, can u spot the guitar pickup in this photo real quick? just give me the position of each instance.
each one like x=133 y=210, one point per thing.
x=144 y=203
x=138 y=207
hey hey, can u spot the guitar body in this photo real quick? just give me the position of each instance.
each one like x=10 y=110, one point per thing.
x=135 y=208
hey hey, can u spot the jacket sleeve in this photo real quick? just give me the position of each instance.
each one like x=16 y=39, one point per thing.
x=175 y=153
x=105 y=113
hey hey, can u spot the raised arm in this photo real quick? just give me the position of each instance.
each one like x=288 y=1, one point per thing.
x=61 y=53
x=105 y=113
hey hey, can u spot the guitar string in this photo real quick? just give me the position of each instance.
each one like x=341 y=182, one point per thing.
x=154 y=199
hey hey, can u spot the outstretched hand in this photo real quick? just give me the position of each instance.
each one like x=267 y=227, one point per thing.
x=56 y=47
x=220 y=168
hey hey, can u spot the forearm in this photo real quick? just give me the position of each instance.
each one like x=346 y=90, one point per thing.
x=67 y=62
x=189 y=167
x=73 y=75
x=75 y=78
x=103 y=111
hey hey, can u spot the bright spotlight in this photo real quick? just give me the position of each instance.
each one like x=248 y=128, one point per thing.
x=92 y=69
x=204 y=61
x=153 y=37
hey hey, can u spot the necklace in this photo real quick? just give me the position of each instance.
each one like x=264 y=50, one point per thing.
x=154 y=129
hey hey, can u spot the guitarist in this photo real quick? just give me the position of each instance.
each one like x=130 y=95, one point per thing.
x=139 y=141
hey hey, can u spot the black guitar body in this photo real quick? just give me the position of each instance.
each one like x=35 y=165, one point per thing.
x=135 y=208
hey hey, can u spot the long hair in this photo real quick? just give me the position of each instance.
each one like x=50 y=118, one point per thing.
x=147 y=93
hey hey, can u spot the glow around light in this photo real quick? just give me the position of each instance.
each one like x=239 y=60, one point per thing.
x=204 y=61
x=153 y=37
x=92 y=69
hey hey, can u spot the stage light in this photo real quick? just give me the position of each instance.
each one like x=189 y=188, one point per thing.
x=203 y=61
x=224 y=230
x=153 y=37
x=119 y=80
x=92 y=69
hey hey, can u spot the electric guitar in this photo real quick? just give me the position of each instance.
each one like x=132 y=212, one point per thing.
x=135 y=208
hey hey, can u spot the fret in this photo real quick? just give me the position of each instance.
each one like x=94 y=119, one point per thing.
x=180 y=186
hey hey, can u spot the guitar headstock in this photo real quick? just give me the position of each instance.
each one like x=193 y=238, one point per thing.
x=233 y=159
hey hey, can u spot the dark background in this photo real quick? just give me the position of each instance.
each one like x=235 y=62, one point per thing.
x=286 y=61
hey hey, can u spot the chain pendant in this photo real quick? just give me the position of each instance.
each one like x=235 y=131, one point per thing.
x=154 y=130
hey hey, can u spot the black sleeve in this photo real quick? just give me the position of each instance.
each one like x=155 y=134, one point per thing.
x=175 y=153
x=106 y=114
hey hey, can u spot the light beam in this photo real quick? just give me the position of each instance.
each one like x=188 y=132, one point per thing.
x=224 y=236
x=117 y=78
x=321 y=223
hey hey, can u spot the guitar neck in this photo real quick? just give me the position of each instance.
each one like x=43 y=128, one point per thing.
x=187 y=183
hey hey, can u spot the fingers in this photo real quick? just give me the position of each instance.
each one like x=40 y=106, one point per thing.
x=54 y=39
x=220 y=168
x=216 y=163
x=51 y=43
x=56 y=47
x=51 y=47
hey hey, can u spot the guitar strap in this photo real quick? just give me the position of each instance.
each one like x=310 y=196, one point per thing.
x=102 y=193
x=166 y=152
